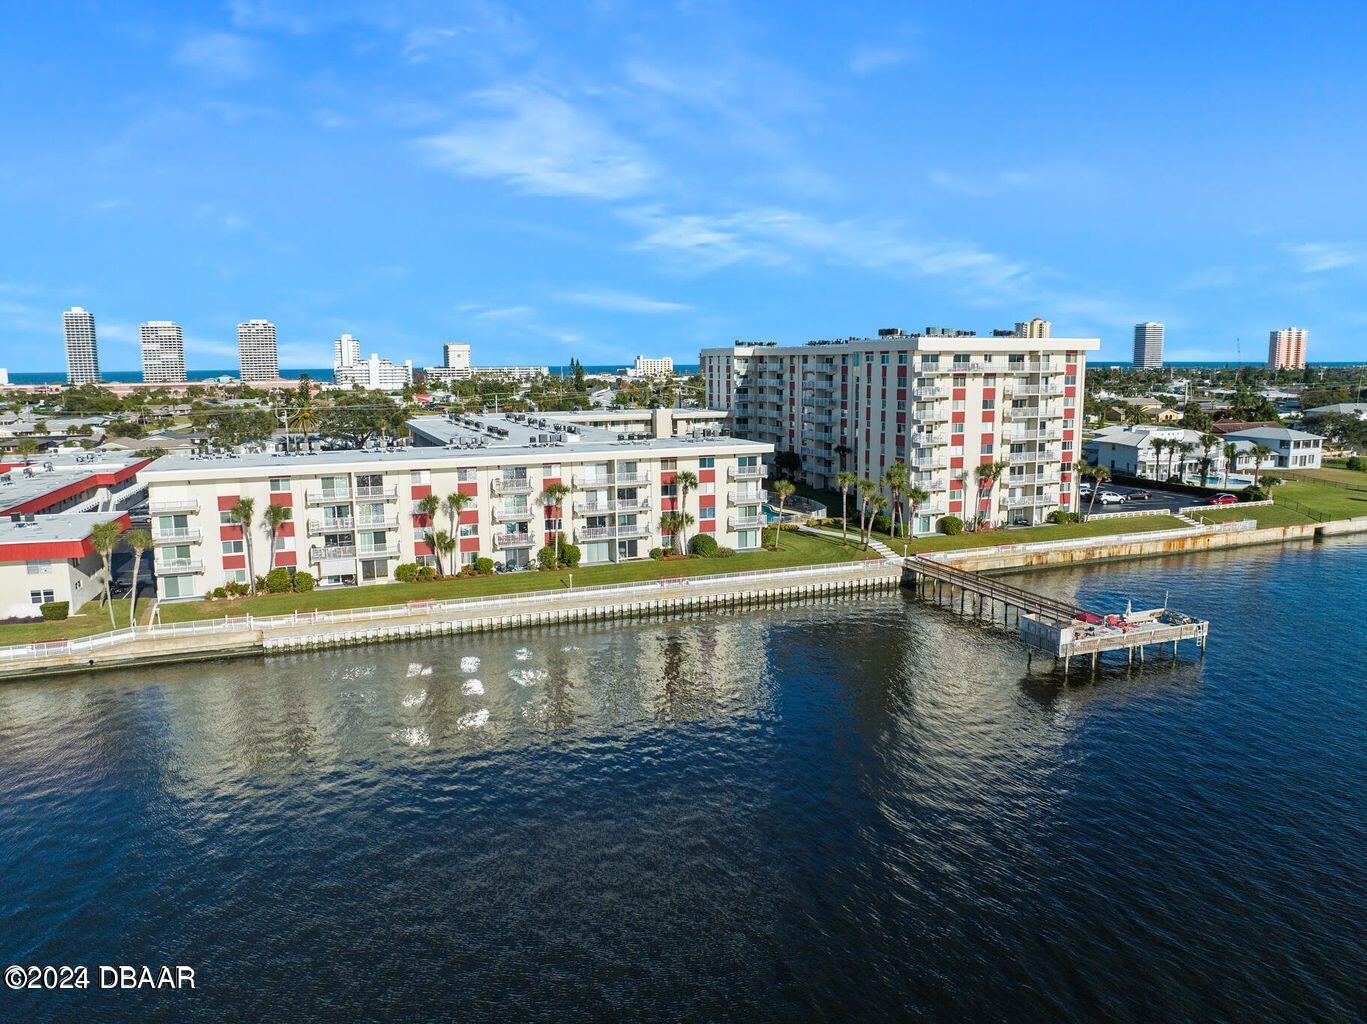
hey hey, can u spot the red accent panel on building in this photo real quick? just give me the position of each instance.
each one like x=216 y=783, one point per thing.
x=986 y=439
x=956 y=506
x=286 y=529
x=1067 y=435
x=470 y=488
x=707 y=476
x=1069 y=392
x=956 y=484
x=989 y=392
x=669 y=504
x=468 y=517
x=230 y=533
x=421 y=521
x=421 y=547
x=235 y=561
x=469 y=543
x=989 y=416
x=956 y=462
x=283 y=498
x=958 y=394
x=708 y=526
x=1067 y=498
x=227 y=501
x=284 y=559
x=421 y=491
x=707 y=501
x=956 y=417
x=667 y=477
x=956 y=440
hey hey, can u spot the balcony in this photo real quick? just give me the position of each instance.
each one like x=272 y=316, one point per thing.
x=513 y=540
x=746 y=522
x=1034 y=390
x=512 y=485
x=927 y=394
x=820 y=401
x=170 y=506
x=629 y=532
x=317 y=526
x=935 y=414
x=1047 y=434
x=1030 y=478
x=927 y=438
x=329 y=553
x=1025 y=458
x=756 y=472
x=1030 y=501
x=329 y=497
x=377 y=494
x=175 y=536
x=513 y=515
x=377 y=522
x=1034 y=367
x=178 y=566
x=603 y=508
x=609 y=480
x=928 y=464
x=746 y=497
x=388 y=551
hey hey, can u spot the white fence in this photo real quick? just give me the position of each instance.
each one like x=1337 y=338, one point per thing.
x=1235 y=526
x=1131 y=514
x=240 y=623
x=1189 y=509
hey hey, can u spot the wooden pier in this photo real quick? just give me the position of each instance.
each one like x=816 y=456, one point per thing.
x=1057 y=628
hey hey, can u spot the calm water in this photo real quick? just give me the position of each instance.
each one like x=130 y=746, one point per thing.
x=854 y=810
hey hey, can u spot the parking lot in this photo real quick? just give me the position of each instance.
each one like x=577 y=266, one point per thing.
x=1168 y=501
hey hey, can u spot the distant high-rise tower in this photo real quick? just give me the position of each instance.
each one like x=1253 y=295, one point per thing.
x=455 y=355
x=1286 y=348
x=163 y=353
x=1035 y=328
x=1148 y=346
x=346 y=351
x=256 y=350
x=82 y=357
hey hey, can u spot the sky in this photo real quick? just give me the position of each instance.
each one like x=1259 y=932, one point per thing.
x=602 y=180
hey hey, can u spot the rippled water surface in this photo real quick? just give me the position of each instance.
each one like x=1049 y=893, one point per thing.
x=862 y=809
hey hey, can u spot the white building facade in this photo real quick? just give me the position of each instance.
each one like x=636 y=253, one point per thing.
x=355 y=515
x=82 y=353
x=163 y=353
x=1148 y=346
x=645 y=367
x=941 y=404
x=256 y=351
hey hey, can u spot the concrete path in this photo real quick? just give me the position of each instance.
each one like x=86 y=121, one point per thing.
x=874 y=543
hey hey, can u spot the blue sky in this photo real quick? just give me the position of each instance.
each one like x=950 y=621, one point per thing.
x=604 y=179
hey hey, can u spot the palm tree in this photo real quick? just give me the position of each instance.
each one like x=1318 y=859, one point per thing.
x=1209 y=442
x=877 y=502
x=685 y=482
x=429 y=506
x=244 y=511
x=845 y=480
x=895 y=480
x=1184 y=449
x=674 y=524
x=1080 y=469
x=437 y=540
x=1099 y=475
x=916 y=497
x=446 y=546
x=455 y=504
x=1231 y=454
x=276 y=516
x=1260 y=452
x=139 y=541
x=554 y=494
x=105 y=537
x=987 y=475
x=308 y=422
x=867 y=488
x=784 y=489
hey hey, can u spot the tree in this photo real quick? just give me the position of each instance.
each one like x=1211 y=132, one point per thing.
x=231 y=427
x=1260 y=452
x=429 y=505
x=1231 y=454
x=784 y=489
x=139 y=541
x=685 y=482
x=455 y=503
x=988 y=474
x=877 y=502
x=244 y=511
x=845 y=480
x=554 y=494
x=360 y=415
x=1100 y=474
x=437 y=541
x=867 y=489
x=275 y=517
x=674 y=524
x=1184 y=449
x=916 y=497
x=105 y=537
x=1209 y=442
x=895 y=480
x=445 y=546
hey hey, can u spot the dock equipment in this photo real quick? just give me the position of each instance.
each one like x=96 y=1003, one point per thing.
x=1057 y=628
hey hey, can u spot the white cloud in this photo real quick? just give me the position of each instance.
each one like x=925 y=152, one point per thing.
x=1317 y=257
x=982 y=186
x=218 y=54
x=622 y=302
x=541 y=144
x=868 y=59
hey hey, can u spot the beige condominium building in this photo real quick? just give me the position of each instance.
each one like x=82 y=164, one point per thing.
x=256 y=352
x=1286 y=348
x=163 y=352
x=354 y=515
x=944 y=402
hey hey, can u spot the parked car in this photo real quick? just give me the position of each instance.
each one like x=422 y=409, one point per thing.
x=1222 y=499
x=1110 y=497
x=1084 y=488
x=1138 y=495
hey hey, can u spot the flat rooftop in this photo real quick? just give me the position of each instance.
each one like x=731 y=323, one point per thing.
x=24 y=484
x=60 y=526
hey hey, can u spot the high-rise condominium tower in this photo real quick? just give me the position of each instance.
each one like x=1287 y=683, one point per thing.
x=163 y=353
x=82 y=357
x=1148 y=346
x=346 y=351
x=1286 y=348
x=455 y=355
x=256 y=350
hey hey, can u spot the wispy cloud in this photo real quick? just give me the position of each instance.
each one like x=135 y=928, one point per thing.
x=868 y=59
x=983 y=186
x=541 y=144
x=623 y=302
x=1318 y=257
x=219 y=55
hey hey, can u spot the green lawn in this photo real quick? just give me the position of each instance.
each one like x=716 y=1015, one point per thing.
x=93 y=618
x=1264 y=515
x=1337 y=473
x=1295 y=499
x=1035 y=534
x=797 y=549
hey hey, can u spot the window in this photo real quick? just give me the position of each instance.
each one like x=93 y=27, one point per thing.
x=40 y=597
x=228 y=518
x=465 y=476
x=707 y=487
x=747 y=539
x=669 y=490
x=710 y=512
x=232 y=547
x=235 y=575
x=419 y=477
x=280 y=485
x=283 y=543
x=178 y=586
x=989 y=403
x=469 y=530
x=551 y=469
x=957 y=428
x=706 y=462
x=38 y=568
x=669 y=464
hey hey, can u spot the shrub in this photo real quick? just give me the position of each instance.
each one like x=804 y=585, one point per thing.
x=702 y=545
x=951 y=526
x=260 y=584
x=407 y=572
x=303 y=582
x=1356 y=464
x=724 y=552
x=657 y=553
x=570 y=555
x=769 y=536
x=484 y=566
x=547 y=557
x=1059 y=516
x=237 y=589
x=882 y=524
x=1251 y=493
x=278 y=581
x=427 y=573
x=56 y=609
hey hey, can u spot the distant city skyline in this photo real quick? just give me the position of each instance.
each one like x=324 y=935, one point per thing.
x=595 y=182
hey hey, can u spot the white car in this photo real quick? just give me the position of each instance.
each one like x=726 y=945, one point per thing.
x=1110 y=497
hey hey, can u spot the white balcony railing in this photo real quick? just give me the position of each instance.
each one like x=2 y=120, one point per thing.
x=513 y=515
x=172 y=505
x=388 y=551
x=745 y=522
x=613 y=532
x=611 y=480
x=1026 y=458
x=746 y=497
x=174 y=536
x=320 y=554
x=602 y=508
x=924 y=438
x=377 y=522
x=513 y=540
x=317 y=526
x=377 y=494
x=756 y=472
x=181 y=565
x=329 y=497
x=1030 y=500
x=512 y=485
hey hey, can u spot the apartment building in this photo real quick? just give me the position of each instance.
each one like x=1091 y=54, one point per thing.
x=163 y=352
x=82 y=354
x=943 y=403
x=1286 y=348
x=647 y=367
x=355 y=515
x=48 y=558
x=256 y=351
x=1148 y=346
x=375 y=374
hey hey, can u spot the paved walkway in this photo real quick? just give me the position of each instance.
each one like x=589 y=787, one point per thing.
x=874 y=542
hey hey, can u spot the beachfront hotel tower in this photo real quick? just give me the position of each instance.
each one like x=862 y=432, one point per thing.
x=82 y=355
x=1148 y=346
x=256 y=352
x=1286 y=348
x=945 y=403
x=163 y=353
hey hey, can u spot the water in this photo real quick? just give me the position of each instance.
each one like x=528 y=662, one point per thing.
x=861 y=809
